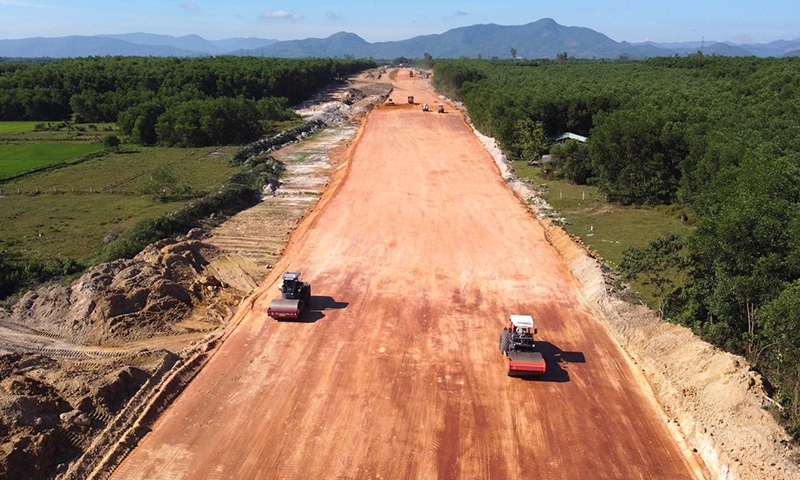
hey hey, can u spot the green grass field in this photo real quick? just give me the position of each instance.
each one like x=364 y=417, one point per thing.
x=17 y=127
x=17 y=158
x=605 y=228
x=78 y=206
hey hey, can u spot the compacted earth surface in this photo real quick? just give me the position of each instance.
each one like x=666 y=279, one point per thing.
x=417 y=253
x=418 y=246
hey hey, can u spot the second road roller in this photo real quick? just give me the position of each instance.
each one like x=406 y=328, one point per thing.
x=519 y=352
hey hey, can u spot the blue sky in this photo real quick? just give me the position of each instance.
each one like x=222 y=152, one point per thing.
x=634 y=21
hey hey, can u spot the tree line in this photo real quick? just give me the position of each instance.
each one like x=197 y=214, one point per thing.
x=718 y=135
x=168 y=101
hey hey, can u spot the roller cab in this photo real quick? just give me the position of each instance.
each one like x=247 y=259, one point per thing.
x=519 y=350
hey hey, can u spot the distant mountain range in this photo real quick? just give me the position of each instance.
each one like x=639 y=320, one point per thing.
x=541 y=39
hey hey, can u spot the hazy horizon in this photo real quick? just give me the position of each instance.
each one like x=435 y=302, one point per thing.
x=622 y=20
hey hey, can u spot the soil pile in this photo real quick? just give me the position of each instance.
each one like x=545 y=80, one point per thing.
x=72 y=357
x=126 y=300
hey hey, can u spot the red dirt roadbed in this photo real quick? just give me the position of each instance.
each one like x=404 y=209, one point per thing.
x=416 y=262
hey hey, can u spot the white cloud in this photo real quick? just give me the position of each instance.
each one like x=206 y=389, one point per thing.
x=331 y=16
x=279 y=15
x=189 y=7
x=461 y=13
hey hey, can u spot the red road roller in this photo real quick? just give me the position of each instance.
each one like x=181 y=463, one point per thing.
x=295 y=295
x=518 y=349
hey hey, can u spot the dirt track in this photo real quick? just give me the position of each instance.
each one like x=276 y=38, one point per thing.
x=416 y=258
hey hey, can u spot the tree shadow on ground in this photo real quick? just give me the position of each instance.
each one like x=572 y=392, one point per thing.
x=557 y=362
x=317 y=305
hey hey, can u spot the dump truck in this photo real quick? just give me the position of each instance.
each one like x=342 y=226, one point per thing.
x=390 y=102
x=424 y=107
x=295 y=295
x=518 y=348
x=441 y=108
x=411 y=99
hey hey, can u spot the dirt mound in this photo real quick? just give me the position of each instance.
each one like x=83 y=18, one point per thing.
x=125 y=300
x=77 y=354
x=341 y=103
x=53 y=408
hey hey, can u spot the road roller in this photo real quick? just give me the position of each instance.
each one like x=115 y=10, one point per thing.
x=518 y=349
x=295 y=295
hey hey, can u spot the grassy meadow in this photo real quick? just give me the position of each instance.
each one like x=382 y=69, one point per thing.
x=22 y=157
x=605 y=228
x=26 y=146
x=17 y=127
x=68 y=212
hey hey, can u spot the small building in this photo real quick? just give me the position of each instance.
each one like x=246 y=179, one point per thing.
x=568 y=136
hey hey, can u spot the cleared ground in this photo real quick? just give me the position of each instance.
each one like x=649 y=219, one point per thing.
x=415 y=261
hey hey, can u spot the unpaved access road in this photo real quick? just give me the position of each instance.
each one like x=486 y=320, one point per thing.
x=417 y=253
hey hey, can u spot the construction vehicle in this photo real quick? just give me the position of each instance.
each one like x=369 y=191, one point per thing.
x=411 y=99
x=517 y=347
x=441 y=108
x=295 y=295
x=390 y=102
x=424 y=107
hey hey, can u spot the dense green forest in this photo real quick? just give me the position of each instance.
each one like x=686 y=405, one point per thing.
x=719 y=135
x=168 y=101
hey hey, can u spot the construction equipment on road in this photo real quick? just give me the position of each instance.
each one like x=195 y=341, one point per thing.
x=424 y=107
x=390 y=102
x=517 y=347
x=411 y=99
x=441 y=108
x=295 y=295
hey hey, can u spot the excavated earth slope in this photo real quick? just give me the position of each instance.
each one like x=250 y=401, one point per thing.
x=76 y=355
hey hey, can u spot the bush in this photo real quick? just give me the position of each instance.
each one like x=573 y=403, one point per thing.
x=111 y=141
x=18 y=274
